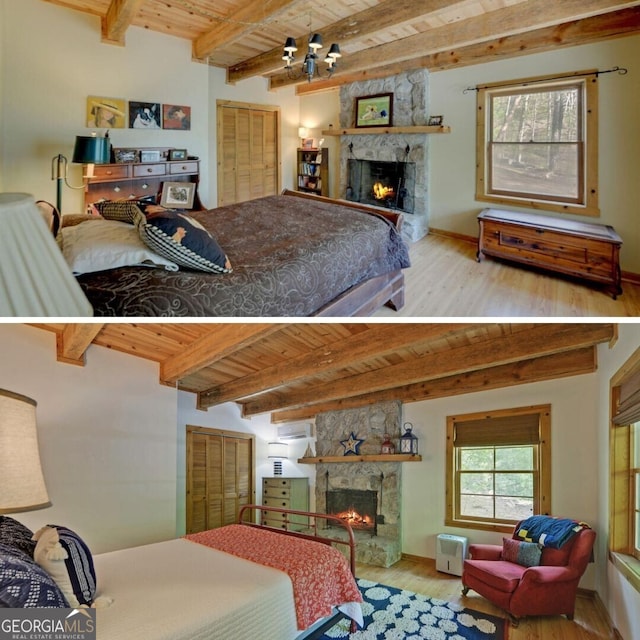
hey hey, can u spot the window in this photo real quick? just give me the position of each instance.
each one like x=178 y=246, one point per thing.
x=624 y=516
x=537 y=144
x=498 y=467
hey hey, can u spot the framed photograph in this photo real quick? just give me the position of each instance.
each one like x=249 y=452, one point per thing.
x=374 y=111
x=307 y=143
x=152 y=155
x=178 y=195
x=177 y=154
x=106 y=113
x=435 y=121
x=175 y=116
x=144 y=115
x=123 y=156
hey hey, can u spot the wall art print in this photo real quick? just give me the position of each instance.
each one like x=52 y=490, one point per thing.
x=144 y=115
x=175 y=116
x=106 y=113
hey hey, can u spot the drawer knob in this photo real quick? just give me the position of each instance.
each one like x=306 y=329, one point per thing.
x=149 y=170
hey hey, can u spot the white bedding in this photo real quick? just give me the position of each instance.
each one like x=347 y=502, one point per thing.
x=179 y=590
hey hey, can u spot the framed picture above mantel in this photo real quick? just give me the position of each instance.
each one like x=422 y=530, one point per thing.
x=374 y=111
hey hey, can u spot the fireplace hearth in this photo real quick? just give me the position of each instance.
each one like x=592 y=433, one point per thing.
x=357 y=507
x=388 y=184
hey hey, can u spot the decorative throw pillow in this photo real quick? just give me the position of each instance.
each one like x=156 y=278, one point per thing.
x=24 y=584
x=183 y=240
x=107 y=244
x=67 y=559
x=15 y=534
x=121 y=210
x=526 y=554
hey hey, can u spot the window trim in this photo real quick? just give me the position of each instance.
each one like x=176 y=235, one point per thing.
x=542 y=475
x=589 y=184
x=621 y=505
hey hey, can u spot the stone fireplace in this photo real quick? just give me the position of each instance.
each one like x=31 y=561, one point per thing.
x=410 y=108
x=379 y=542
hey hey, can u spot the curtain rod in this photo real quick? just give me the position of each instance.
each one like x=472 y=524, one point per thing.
x=621 y=71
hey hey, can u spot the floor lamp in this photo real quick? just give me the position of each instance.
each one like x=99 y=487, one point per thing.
x=89 y=150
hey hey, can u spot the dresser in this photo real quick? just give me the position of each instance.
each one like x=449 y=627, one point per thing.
x=580 y=249
x=125 y=180
x=285 y=493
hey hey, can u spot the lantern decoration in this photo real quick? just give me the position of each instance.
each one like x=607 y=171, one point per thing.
x=408 y=442
x=387 y=446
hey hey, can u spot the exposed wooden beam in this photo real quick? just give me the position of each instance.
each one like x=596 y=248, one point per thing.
x=490 y=26
x=329 y=358
x=118 y=19
x=569 y=34
x=74 y=340
x=239 y=24
x=220 y=343
x=540 y=340
x=355 y=26
x=558 y=365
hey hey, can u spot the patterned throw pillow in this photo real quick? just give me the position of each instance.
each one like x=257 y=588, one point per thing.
x=15 y=534
x=24 y=584
x=183 y=240
x=121 y=210
x=526 y=554
x=67 y=559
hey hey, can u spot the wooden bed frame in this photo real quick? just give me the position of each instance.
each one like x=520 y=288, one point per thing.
x=317 y=530
x=368 y=296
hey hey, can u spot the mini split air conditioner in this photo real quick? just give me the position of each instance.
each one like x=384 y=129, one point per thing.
x=450 y=553
x=294 y=432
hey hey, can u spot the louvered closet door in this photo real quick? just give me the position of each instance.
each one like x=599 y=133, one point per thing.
x=220 y=477
x=248 y=152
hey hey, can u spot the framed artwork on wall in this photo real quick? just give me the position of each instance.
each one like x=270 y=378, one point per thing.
x=106 y=113
x=144 y=115
x=374 y=111
x=175 y=116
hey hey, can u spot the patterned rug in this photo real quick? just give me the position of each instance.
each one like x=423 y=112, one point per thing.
x=395 y=614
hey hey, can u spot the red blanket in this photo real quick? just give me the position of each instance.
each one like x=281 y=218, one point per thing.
x=319 y=573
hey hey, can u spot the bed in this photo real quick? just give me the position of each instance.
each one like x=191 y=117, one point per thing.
x=203 y=586
x=292 y=255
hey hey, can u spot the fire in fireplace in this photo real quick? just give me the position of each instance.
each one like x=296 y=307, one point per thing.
x=357 y=507
x=389 y=184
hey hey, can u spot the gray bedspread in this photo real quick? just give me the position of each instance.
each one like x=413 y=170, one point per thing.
x=290 y=257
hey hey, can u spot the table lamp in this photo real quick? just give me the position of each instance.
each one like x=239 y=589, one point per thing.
x=35 y=279
x=22 y=486
x=89 y=150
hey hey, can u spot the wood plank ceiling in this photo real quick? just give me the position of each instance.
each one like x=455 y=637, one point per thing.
x=378 y=38
x=295 y=370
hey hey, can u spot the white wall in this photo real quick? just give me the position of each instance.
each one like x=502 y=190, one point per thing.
x=620 y=598
x=107 y=435
x=58 y=60
x=452 y=156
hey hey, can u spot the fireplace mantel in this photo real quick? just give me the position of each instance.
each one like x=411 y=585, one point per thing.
x=388 y=130
x=388 y=457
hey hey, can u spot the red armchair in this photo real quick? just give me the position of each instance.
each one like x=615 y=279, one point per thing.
x=547 y=589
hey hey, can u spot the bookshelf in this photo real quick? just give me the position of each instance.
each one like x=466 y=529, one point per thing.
x=313 y=171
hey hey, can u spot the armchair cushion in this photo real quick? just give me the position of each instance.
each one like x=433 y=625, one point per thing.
x=498 y=574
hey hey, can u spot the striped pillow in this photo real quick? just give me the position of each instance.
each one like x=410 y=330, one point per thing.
x=67 y=559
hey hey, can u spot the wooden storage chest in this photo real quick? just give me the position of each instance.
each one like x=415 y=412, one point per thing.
x=584 y=250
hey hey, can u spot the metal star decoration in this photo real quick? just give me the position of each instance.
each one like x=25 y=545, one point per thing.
x=351 y=445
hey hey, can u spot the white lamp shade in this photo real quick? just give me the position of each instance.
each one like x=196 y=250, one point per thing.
x=22 y=485
x=278 y=450
x=35 y=280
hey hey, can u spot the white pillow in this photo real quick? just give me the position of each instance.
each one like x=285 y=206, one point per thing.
x=97 y=245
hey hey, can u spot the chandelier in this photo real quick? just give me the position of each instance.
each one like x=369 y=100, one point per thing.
x=310 y=63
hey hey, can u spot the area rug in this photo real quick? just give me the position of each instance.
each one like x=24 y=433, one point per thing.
x=395 y=614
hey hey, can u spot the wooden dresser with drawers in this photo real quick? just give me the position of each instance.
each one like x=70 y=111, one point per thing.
x=285 y=493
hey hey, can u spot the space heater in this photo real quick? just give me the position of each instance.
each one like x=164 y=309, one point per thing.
x=450 y=553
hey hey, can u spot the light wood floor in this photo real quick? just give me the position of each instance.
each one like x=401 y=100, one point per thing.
x=445 y=280
x=420 y=576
